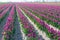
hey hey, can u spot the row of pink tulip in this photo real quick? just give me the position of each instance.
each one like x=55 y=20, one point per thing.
x=47 y=13
x=27 y=27
x=47 y=9
x=8 y=27
x=2 y=6
x=44 y=25
x=4 y=12
x=46 y=16
x=5 y=7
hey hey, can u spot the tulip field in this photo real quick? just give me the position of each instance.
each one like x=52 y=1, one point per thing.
x=29 y=21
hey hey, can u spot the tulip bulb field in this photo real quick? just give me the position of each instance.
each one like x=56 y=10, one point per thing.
x=29 y=21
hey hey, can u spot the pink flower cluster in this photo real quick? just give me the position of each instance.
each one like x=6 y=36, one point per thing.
x=10 y=20
x=50 y=30
x=4 y=12
x=27 y=25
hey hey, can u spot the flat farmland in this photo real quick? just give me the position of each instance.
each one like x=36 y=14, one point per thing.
x=30 y=21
